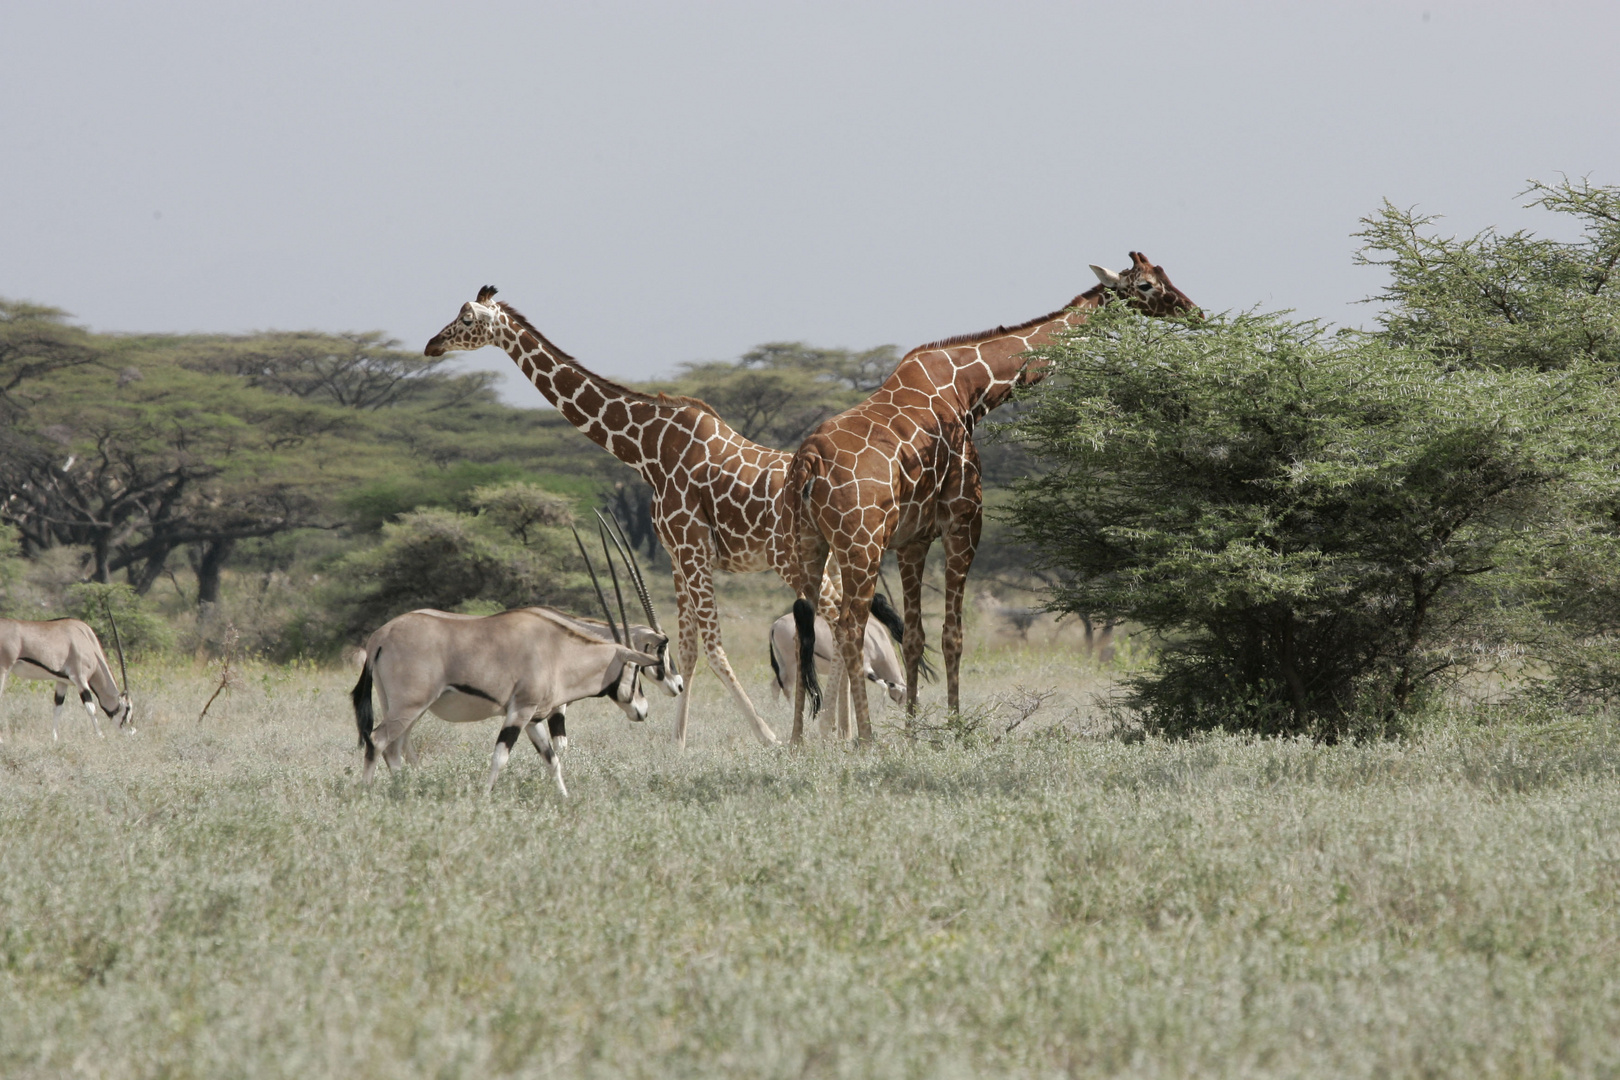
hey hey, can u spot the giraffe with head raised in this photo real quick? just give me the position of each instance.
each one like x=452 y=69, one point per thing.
x=716 y=495
x=900 y=470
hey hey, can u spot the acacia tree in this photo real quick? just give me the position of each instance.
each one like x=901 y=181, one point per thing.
x=354 y=370
x=1316 y=525
x=135 y=468
x=1522 y=301
x=34 y=341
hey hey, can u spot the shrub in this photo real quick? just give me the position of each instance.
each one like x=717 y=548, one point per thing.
x=1313 y=523
x=1518 y=300
x=444 y=559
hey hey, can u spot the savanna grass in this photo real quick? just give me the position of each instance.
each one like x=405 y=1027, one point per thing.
x=223 y=899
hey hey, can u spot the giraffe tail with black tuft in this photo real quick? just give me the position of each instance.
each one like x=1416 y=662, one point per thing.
x=804 y=622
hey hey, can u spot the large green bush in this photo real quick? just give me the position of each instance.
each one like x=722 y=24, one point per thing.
x=1315 y=524
x=1523 y=301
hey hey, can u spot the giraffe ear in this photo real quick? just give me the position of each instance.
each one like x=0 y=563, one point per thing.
x=1107 y=277
x=486 y=293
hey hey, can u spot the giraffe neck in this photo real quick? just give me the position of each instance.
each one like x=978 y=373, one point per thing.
x=614 y=417
x=986 y=377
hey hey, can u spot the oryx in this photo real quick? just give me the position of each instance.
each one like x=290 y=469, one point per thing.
x=884 y=628
x=68 y=651
x=525 y=664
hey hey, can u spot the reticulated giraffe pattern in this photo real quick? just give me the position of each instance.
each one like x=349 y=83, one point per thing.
x=900 y=470
x=716 y=496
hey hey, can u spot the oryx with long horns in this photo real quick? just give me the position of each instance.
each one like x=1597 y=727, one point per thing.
x=525 y=664
x=68 y=651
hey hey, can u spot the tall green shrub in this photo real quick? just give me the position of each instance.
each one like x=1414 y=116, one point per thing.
x=1525 y=301
x=1313 y=523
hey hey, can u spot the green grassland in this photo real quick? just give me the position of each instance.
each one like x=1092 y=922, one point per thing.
x=223 y=899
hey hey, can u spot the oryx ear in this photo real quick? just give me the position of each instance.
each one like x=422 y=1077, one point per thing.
x=1108 y=277
x=486 y=294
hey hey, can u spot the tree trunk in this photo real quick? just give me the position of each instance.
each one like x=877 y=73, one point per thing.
x=214 y=555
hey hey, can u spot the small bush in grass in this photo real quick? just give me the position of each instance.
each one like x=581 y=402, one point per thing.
x=1314 y=524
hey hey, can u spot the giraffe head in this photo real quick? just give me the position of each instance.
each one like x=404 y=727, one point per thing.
x=472 y=328
x=1146 y=288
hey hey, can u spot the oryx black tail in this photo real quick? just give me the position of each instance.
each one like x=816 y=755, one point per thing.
x=804 y=622
x=884 y=612
x=776 y=667
x=364 y=718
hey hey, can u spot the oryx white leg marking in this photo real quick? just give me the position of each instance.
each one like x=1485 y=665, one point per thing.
x=89 y=701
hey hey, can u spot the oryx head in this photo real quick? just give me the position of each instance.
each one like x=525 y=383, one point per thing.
x=655 y=643
x=472 y=328
x=626 y=694
x=124 y=714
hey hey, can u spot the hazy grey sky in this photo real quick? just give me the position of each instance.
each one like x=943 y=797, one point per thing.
x=659 y=182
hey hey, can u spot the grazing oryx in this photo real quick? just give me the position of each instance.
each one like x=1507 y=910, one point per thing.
x=68 y=651
x=524 y=664
x=883 y=629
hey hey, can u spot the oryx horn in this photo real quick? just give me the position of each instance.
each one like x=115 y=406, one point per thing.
x=618 y=594
x=118 y=643
x=621 y=542
x=599 y=595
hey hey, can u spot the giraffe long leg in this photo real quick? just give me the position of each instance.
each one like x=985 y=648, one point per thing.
x=687 y=642
x=960 y=543
x=700 y=593
x=860 y=578
x=5 y=673
x=912 y=559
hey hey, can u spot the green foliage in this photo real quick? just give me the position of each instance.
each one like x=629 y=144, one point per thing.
x=521 y=509
x=1524 y=301
x=1514 y=300
x=1314 y=523
x=433 y=558
x=354 y=370
x=144 y=633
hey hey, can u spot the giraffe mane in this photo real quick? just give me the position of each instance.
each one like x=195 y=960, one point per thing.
x=1093 y=293
x=663 y=401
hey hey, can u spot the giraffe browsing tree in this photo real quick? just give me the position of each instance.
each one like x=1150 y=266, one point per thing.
x=900 y=470
x=716 y=495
